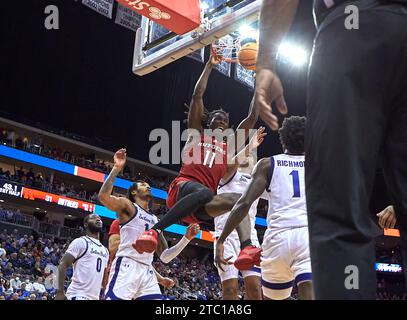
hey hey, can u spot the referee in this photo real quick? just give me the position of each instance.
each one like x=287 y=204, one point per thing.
x=356 y=116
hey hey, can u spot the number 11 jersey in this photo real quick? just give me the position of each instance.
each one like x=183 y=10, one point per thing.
x=205 y=163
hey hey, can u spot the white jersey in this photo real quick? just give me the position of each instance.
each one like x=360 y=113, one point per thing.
x=91 y=259
x=238 y=184
x=287 y=207
x=131 y=230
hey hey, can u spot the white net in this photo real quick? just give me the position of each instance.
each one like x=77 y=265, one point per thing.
x=227 y=48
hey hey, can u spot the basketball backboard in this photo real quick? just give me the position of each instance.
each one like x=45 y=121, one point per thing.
x=156 y=47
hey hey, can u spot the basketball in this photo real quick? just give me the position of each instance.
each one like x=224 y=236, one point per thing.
x=247 y=55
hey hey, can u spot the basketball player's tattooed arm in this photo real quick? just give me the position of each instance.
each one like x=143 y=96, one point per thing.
x=255 y=189
x=121 y=205
x=196 y=110
x=66 y=261
x=275 y=21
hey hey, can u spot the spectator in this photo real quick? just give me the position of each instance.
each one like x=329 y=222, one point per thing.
x=3 y=235
x=15 y=262
x=37 y=269
x=28 y=284
x=20 y=173
x=8 y=290
x=15 y=296
x=30 y=174
x=33 y=296
x=15 y=283
x=2 y=281
x=47 y=250
x=23 y=292
x=38 y=286
x=8 y=270
x=2 y=251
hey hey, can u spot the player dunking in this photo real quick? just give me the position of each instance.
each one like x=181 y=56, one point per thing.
x=132 y=275
x=285 y=254
x=229 y=274
x=192 y=195
x=89 y=259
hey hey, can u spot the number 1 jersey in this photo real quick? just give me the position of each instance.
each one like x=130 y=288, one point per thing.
x=287 y=208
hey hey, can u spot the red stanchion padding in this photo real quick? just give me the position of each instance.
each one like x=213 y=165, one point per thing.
x=179 y=16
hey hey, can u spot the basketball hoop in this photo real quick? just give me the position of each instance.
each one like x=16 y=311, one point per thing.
x=226 y=49
x=234 y=48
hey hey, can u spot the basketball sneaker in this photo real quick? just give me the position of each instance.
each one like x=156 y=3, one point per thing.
x=248 y=258
x=147 y=242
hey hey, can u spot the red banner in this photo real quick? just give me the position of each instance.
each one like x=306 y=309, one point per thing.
x=32 y=194
x=180 y=16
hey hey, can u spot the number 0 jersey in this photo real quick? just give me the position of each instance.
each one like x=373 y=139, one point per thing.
x=287 y=208
x=91 y=259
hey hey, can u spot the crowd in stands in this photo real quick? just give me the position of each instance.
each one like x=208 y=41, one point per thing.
x=391 y=290
x=195 y=280
x=389 y=256
x=27 y=265
x=35 y=145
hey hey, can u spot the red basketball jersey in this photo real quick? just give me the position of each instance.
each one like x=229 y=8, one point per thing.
x=209 y=163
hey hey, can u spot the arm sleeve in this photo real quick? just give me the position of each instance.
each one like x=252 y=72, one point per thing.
x=77 y=248
x=168 y=254
x=114 y=228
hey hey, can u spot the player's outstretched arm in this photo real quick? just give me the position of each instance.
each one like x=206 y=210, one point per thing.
x=168 y=254
x=196 y=109
x=66 y=261
x=117 y=204
x=255 y=189
x=254 y=143
x=247 y=124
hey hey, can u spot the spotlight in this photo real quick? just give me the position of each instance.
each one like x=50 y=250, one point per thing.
x=293 y=54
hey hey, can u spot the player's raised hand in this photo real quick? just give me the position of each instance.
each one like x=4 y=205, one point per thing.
x=268 y=90
x=167 y=283
x=192 y=231
x=220 y=261
x=387 y=218
x=214 y=60
x=258 y=138
x=119 y=158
